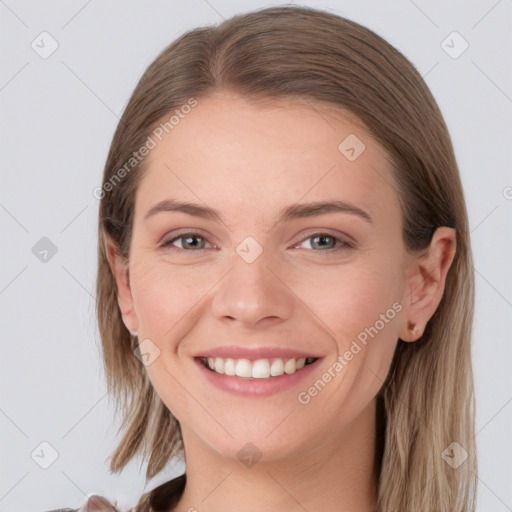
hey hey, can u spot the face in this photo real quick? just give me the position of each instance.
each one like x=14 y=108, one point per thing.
x=292 y=255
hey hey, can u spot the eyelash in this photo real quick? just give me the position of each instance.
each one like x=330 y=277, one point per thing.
x=342 y=244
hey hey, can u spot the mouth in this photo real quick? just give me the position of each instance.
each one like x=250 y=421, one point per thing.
x=263 y=368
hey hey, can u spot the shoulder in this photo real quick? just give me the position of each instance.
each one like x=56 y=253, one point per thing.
x=160 y=498
x=166 y=495
x=93 y=502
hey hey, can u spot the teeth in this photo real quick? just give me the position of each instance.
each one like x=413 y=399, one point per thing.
x=219 y=365
x=277 y=368
x=229 y=366
x=290 y=366
x=259 y=369
x=243 y=368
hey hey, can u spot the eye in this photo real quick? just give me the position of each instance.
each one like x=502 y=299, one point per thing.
x=187 y=241
x=195 y=242
x=327 y=242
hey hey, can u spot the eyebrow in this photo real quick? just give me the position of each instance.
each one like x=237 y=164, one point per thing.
x=295 y=211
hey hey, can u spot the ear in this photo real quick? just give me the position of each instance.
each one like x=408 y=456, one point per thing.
x=119 y=267
x=426 y=277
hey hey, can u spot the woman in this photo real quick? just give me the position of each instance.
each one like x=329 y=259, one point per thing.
x=285 y=284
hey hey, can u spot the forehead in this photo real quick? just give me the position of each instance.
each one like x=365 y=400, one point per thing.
x=231 y=153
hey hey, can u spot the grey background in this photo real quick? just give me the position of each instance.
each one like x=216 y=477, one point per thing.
x=58 y=115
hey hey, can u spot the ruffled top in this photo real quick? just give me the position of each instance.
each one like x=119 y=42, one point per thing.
x=160 y=499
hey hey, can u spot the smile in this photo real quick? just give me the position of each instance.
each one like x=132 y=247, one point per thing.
x=258 y=369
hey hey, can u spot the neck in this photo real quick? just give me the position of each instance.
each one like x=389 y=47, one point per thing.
x=338 y=470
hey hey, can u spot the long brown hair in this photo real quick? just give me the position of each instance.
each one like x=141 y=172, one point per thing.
x=427 y=402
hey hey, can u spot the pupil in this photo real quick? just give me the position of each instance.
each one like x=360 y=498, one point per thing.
x=189 y=240
x=322 y=240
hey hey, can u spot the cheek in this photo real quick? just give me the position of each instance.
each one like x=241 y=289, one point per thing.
x=359 y=308
x=167 y=301
x=351 y=300
x=163 y=295
x=344 y=301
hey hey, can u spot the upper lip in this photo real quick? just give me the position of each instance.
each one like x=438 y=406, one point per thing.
x=237 y=352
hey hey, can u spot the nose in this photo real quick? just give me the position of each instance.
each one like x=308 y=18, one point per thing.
x=253 y=294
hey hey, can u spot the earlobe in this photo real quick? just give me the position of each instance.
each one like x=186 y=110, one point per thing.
x=426 y=280
x=119 y=267
x=412 y=332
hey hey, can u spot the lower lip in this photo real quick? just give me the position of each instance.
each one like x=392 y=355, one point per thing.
x=256 y=387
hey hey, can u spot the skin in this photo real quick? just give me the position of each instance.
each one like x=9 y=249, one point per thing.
x=250 y=160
